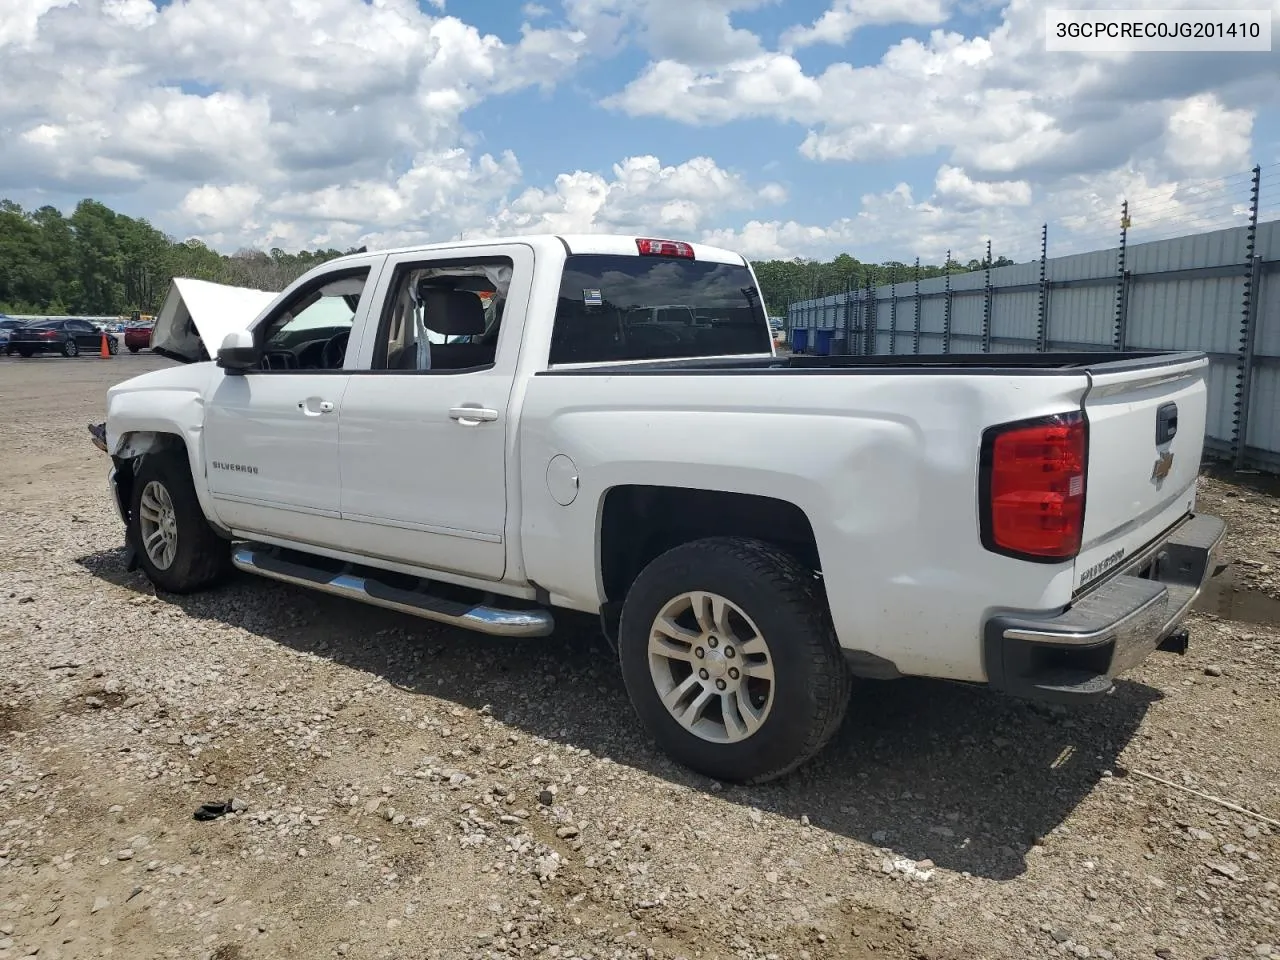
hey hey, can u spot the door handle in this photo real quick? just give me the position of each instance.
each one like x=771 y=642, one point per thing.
x=473 y=416
x=313 y=407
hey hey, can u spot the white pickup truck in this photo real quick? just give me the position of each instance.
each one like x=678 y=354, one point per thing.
x=483 y=432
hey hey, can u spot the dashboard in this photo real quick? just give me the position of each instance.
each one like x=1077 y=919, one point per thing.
x=319 y=348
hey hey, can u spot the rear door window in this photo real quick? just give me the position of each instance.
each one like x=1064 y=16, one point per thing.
x=647 y=308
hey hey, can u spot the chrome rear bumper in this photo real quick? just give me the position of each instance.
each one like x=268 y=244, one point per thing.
x=1076 y=654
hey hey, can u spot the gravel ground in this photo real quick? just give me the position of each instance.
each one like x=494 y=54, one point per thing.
x=410 y=791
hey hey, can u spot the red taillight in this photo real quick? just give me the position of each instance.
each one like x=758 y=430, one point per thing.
x=49 y=334
x=664 y=248
x=1033 y=487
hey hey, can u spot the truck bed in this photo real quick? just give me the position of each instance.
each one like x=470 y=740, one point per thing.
x=1003 y=364
x=886 y=466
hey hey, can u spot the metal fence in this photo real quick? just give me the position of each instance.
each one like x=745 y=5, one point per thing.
x=1216 y=292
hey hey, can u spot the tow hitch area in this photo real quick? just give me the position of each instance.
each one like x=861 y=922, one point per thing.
x=1176 y=642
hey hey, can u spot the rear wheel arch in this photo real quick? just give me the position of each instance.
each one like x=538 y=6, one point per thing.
x=638 y=523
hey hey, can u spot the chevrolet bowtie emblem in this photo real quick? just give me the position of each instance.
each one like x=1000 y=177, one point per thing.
x=1164 y=463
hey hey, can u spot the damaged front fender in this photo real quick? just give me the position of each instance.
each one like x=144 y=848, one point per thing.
x=160 y=411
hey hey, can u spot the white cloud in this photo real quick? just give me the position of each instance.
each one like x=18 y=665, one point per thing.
x=1205 y=137
x=776 y=239
x=292 y=97
x=961 y=214
x=643 y=197
x=698 y=32
x=838 y=23
x=952 y=183
x=19 y=25
x=218 y=208
x=445 y=194
x=1022 y=136
x=439 y=196
x=996 y=103
x=336 y=122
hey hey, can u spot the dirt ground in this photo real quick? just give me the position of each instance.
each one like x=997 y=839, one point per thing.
x=411 y=791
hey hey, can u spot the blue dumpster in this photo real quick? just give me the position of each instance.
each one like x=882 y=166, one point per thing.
x=799 y=340
x=822 y=343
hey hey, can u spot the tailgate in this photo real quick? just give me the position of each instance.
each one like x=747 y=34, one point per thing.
x=1140 y=479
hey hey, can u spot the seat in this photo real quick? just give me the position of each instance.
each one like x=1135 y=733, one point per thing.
x=453 y=313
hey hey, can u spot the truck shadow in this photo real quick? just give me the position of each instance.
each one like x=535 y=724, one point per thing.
x=920 y=769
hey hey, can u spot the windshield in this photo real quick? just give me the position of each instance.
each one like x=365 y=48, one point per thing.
x=648 y=308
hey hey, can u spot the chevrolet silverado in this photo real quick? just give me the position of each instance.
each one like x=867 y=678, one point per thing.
x=485 y=432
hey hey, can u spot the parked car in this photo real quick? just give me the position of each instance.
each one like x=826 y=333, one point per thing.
x=8 y=324
x=68 y=337
x=137 y=336
x=469 y=432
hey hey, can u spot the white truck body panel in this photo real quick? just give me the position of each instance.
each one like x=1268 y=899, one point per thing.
x=883 y=470
x=1131 y=507
x=378 y=466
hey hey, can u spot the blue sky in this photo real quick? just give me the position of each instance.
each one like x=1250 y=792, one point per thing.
x=804 y=128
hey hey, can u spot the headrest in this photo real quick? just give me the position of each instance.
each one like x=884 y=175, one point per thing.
x=454 y=313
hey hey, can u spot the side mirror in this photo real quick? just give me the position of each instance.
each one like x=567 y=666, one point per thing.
x=238 y=352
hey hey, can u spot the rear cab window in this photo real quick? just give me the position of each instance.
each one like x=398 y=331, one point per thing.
x=616 y=307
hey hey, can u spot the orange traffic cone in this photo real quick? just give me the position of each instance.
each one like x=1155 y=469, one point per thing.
x=104 y=351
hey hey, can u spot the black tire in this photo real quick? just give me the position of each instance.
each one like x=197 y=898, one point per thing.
x=112 y=346
x=133 y=349
x=25 y=354
x=71 y=348
x=812 y=683
x=202 y=558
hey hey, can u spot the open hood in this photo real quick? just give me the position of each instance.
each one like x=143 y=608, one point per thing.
x=197 y=315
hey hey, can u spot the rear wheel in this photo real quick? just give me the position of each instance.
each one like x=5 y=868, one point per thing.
x=133 y=349
x=112 y=346
x=730 y=659
x=70 y=349
x=176 y=547
x=26 y=354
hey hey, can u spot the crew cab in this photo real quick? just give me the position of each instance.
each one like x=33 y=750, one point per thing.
x=486 y=433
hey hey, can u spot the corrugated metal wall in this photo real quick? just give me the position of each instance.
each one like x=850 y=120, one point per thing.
x=1185 y=293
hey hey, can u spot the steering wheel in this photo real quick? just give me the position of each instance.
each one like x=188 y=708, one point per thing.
x=335 y=351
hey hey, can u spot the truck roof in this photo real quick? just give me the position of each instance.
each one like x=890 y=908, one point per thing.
x=606 y=243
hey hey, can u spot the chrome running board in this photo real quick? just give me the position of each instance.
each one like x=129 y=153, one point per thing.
x=496 y=622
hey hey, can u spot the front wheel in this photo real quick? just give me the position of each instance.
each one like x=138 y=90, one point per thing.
x=176 y=547
x=730 y=659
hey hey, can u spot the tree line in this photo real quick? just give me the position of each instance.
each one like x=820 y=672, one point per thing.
x=786 y=281
x=103 y=263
